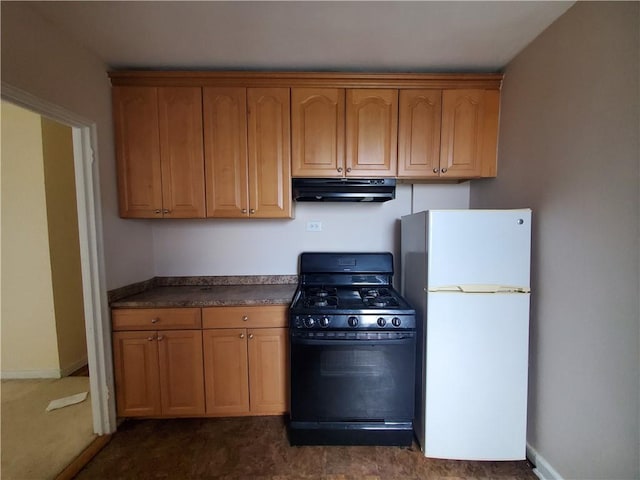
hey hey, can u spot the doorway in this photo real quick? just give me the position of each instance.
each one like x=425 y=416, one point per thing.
x=95 y=306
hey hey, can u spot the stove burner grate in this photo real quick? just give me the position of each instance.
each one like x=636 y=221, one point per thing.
x=321 y=301
x=321 y=292
x=380 y=301
x=369 y=292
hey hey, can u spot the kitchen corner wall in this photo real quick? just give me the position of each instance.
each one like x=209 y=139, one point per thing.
x=569 y=149
x=272 y=247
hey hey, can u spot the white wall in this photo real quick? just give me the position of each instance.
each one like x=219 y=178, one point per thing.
x=569 y=149
x=42 y=61
x=271 y=247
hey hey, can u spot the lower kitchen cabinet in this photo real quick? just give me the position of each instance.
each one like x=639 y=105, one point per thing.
x=226 y=371
x=268 y=370
x=159 y=373
x=215 y=361
x=245 y=369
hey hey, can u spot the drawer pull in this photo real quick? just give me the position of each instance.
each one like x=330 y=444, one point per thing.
x=150 y=338
x=245 y=318
x=154 y=320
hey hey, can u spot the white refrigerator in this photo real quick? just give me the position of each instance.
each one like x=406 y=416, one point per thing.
x=466 y=272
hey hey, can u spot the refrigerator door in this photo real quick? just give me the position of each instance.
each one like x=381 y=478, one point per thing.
x=479 y=247
x=476 y=376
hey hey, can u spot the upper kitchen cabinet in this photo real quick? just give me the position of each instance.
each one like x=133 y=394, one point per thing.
x=371 y=132
x=225 y=147
x=469 y=138
x=419 y=133
x=339 y=132
x=158 y=132
x=317 y=132
x=269 y=140
x=225 y=144
x=247 y=151
x=448 y=134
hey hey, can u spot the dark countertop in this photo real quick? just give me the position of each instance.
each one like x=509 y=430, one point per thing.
x=209 y=296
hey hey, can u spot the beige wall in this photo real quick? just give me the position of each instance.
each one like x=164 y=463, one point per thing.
x=64 y=246
x=29 y=346
x=569 y=149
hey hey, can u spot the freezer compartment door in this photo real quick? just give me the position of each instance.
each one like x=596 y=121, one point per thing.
x=476 y=376
x=479 y=247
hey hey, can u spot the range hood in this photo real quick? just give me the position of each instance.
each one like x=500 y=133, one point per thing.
x=344 y=189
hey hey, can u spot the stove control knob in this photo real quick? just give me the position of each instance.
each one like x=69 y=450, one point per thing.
x=381 y=322
x=309 y=322
x=396 y=321
x=352 y=321
x=324 y=322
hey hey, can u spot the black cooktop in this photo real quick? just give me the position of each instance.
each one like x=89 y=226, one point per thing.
x=347 y=283
x=359 y=298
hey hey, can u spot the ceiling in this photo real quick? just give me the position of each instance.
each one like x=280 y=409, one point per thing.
x=415 y=36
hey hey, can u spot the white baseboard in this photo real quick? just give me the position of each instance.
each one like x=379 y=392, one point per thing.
x=543 y=469
x=47 y=373
x=24 y=374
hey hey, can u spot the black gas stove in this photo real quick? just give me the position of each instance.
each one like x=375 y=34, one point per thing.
x=351 y=291
x=352 y=353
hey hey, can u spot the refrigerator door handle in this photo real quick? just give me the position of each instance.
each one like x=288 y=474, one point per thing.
x=480 y=288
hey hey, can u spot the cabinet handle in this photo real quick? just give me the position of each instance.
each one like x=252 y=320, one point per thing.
x=444 y=170
x=154 y=320
x=348 y=169
x=157 y=211
x=242 y=335
x=250 y=336
x=252 y=211
x=160 y=337
x=166 y=211
x=245 y=318
x=244 y=210
x=150 y=338
x=340 y=169
x=435 y=170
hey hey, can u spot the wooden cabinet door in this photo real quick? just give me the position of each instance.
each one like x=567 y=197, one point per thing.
x=181 y=372
x=372 y=132
x=317 y=132
x=135 y=358
x=419 y=133
x=225 y=146
x=469 y=133
x=135 y=112
x=226 y=371
x=181 y=152
x=269 y=153
x=268 y=367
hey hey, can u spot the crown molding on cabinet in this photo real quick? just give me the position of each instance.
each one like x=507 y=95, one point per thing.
x=305 y=79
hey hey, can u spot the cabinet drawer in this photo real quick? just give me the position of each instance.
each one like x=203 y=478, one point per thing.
x=155 y=318
x=245 y=316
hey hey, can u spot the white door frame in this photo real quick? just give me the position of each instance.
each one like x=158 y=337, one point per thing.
x=96 y=311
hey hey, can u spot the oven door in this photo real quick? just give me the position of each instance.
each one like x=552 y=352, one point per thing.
x=342 y=379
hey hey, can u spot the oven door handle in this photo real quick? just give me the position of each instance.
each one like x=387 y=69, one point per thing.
x=345 y=341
